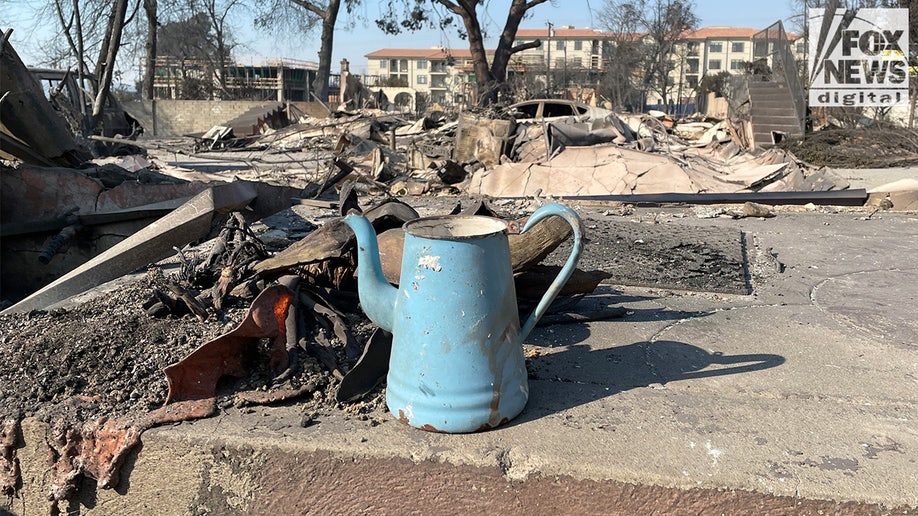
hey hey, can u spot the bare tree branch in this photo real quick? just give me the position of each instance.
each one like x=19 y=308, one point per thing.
x=526 y=46
x=311 y=7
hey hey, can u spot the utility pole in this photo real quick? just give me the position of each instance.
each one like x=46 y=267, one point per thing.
x=548 y=68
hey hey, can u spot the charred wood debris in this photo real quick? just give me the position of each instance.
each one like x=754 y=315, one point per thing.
x=301 y=298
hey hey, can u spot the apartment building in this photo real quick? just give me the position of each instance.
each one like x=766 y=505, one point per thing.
x=708 y=50
x=562 y=47
x=573 y=56
x=445 y=75
x=276 y=79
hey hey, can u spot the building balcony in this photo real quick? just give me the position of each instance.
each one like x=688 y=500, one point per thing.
x=258 y=84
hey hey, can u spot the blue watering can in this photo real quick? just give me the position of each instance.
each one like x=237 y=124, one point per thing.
x=457 y=360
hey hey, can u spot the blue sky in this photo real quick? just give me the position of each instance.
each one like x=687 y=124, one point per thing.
x=355 y=42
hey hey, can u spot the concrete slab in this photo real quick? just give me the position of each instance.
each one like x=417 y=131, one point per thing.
x=869 y=177
x=800 y=397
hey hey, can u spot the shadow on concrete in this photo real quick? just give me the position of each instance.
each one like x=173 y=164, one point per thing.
x=605 y=305
x=581 y=374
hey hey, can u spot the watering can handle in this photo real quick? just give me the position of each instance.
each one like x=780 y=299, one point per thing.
x=574 y=220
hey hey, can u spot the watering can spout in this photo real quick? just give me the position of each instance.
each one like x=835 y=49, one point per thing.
x=377 y=296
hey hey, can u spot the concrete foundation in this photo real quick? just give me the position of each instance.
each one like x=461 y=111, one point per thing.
x=800 y=398
x=183 y=117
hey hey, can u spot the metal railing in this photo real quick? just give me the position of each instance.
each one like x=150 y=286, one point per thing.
x=772 y=46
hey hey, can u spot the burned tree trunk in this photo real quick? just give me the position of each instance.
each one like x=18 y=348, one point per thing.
x=329 y=17
x=491 y=78
x=150 y=7
x=106 y=63
x=329 y=20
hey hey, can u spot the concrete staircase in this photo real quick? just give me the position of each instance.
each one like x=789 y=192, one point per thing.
x=772 y=109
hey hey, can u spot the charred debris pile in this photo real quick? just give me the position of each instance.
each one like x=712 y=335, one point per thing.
x=279 y=313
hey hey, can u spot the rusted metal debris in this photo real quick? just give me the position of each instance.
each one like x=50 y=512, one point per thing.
x=194 y=378
x=9 y=464
x=96 y=449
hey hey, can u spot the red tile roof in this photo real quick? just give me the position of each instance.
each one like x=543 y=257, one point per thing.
x=425 y=53
x=567 y=33
x=721 y=33
x=731 y=33
x=561 y=33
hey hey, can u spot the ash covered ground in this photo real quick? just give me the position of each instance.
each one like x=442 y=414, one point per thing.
x=105 y=358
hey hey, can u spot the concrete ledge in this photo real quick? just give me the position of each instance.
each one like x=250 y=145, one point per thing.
x=231 y=468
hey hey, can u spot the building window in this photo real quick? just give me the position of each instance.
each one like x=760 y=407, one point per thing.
x=716 y=47
x=714 y=64
x=403 y=65
x=422 y=79
x=736 y=64
x=693 y=48
x=738 y=46
x=801 y=47
x=559 y=45
x=692 y=81
x=692 y=65
x=383 y=64
x=578 y=45
x=422 y=64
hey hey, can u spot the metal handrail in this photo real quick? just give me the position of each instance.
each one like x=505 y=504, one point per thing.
x=772 y=45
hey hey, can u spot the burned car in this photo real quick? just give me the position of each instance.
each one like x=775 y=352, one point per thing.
x=548 y=110
x=547 y=125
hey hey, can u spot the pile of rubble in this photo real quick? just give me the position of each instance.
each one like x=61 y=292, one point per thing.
x=494 y=154
x=280 y=310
